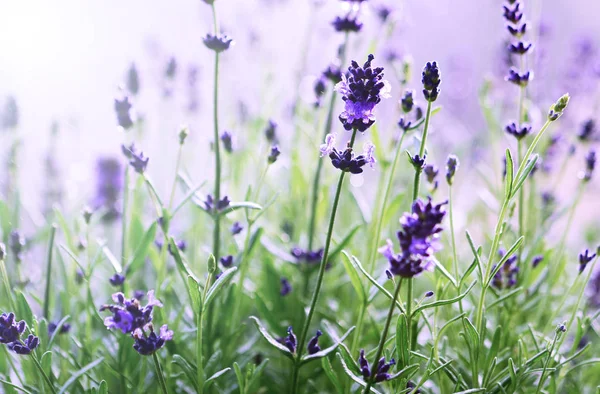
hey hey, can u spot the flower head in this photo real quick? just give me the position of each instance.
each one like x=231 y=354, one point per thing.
x=290 y=340
x=275 y=152
x=536 y=260
x=16 y=243
x=557 y=109
x=431 y=172
x=307 y=256
x=451 y=166
x=313 y=345
x=109 y=186
x=236 y=228
x=217 y=43
x=519 y=132
x=507 y=276
x=147 y=344
x=227 y=140
x=327 y=147
x=407 y=101
x=584 y=258
x=129 y=314
x=137 y=160
x=64 y=329
x=347 y=24
x=210 y=206
x=590 y=165
x=117 y=280
x=519 y=48
x=123 y=109
x=133 y=80
x=286 y=287
x=333 y=73
x=431 y=81
x=519 y=79
x=369 y=154
x=271 y=131
x=347 y=161
x=381 y=371
x=588 y=131
x=226 y=261
x=10 y=335
x=513 y=14
x=26 y=347
x=361 y=91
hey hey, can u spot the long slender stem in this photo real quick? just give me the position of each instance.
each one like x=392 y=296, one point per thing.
x=384 y=337
x=49 y=272
x=124 y=217
x=217 y=144
x=7 y=286
x=43 y=373
x=546 y=363
x=159 y=374
x=317 y=177
x=172 y=197
x=317 y=291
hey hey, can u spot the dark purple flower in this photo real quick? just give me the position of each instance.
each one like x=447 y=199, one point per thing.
x=590 y=165
x=10 y=330
x=16 y=243
x=584 y=258
x=513 y=14
x=537 y=260
x=519 y=132
x=417 y=239
x=272 y=158
x=333 y=73
x=451 y=166
x=404 y=124
x=148 y=344
x=307 y=256
x=347 y=161
x=117 y=280
x=518 y=30
x=290 y=340
x=109 y=187
x=364 y=365
x=129 y=314
x=209 y=204
x=26 y=347
x=347 y=24
x=431 y=81
x=136 y=158
x=429 y=294
x=226 y=261
x=418 y=162
x=236 y=228
x=431 y=172
x=361 y=90
x=407 y=101
x=519 y=48
x=313 y=345
x=519 y=79
x=507 y=276
x=124 y=114
x=65 y=328
x=133 y=80
x=217 y=43
x=227 y=140
x=381 y=371
x=286 y=287
x=588 y=131
x=319 y=89
x=271 y=131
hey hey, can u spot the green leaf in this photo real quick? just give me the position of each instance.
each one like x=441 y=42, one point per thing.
x=190 y=194
x=187 y=367
x=111 y=258
x=216 y=376
x=14 y=386
x=509 y=175
x=476 y=252
x=139 y=256
x=181 y=264
x=256 y=376
x=407 y=371
x=263 y=331
x=103 y=387
x=527 y=170
x=73 y=257
x=240 y=377
x=445 y=272
x=352 y=272
x=353 y=376
x=331 y=375
x=402 y=341
x=218 y=285
x=79 y=374
x=344 y=242
x=471 y=391
x=195 y=296
x=234 y=206
x=325 y=352
x=358 y=265
x=445 y=302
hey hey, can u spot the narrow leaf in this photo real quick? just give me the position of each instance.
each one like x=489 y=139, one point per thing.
x=263 y=331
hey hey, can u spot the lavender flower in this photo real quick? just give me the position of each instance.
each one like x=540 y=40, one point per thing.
x=227 y=140
x=319 y=89
x=307 y=256
x=519 y=79
x=590 y=164
x=10 y=114
x=274 y=154
x=347 y=161
x=226 y=261
x=25 y=348
x=369 y=153
x=518 y=30
x=361 y=91
x=210 y=206
x=286 y=287
x=347 y=24
x=431 y=172
x=519 y=48
x=328 y=146
x=123 y=109
x=290 y=340
x=537 y=260
x=519 y=132
x=133 y=80
x=313 y=345
x=333 y=73
x=16 y=243
x=507 y=276
x=128 y=314
x=136 y=158
x=557 y=109
x=217 y=43
x=513 y=14
x=452 y=165
x=584 y=258
x=64 y=329
x=109 y=186
x=271 y=131
x=10 y=335
x=404 y=124
x=236 y=228
x=117 y=280
x=431 y=81
x=148 y=344
x=407 y=101
x=171 y=69
x=418 y=162
x=381 y=371
x=588 y=131
x=417 y=239
x=181 y=245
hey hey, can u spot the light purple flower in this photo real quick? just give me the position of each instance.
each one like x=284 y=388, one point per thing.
x=327 y=147
x=369 y=153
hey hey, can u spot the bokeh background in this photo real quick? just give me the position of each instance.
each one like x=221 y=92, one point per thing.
x=63 y=62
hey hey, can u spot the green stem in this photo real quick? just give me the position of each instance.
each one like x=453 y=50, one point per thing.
x=44 y=375
x=7 y=286
x=49 y=272
x=546 y=363
x=124 y=218
x=159 y=374
x=217 y=144
x=172 y=197
x=453 y=238
x=317 y=177
x=384 y=336
x=319 y=283
x=418 y=171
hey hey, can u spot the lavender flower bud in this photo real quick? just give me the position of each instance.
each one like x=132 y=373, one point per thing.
x=133 y=80
x=137 y=160
x=429 y=294
x=274 y=154
x=431 y=172
x=452 y=165
x=584 y=258
x=347 y=24
x=290 y=340
x=519 y=79
x=333 y=73
x=236 y=228
x=557 y=109
x=227 y=140
x=407 y=101
x=519 y=48
x=217 y=43
x=431 y=81
x=286 y=287
x=519 y=132
x=183 y=133
x=117 y=280
x=226 y=261
x=588 y=131
x=271 y=130
x=537 y=260
x=590 y=164
x=313 y=345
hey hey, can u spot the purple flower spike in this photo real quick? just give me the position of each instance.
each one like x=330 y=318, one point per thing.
x=123 y=109
x=431 y=81
x=364 y=365
x=217 y=43
x=290 y=340
x=147 y=344
x=347 y=161
x=117 y=280
x=313 y=345
x=383 y=369
x=584 y=258
x=519 y=79
x=347 y=24
x=128 y=314
x=24 y=348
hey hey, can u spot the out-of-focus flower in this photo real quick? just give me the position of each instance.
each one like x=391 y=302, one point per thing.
x=584 y=258
x=537 y=260
x=407 y=101
x=64 y=329
x=519 y=132
x=227 y=140
x=590 y=165
x=10 y=114
x=148 y=344
x=128 y=314
x=347 y=24
x=513 y=14
x=16 y=243
x=286 y=287
x=171 y=68
x=10 y=335
x=333 y=73
x=451 y=166
x=361 y=91
x=431 y=81
x=328 y=146
x=275 y=152
x=507 y=276
x=313 y=345
x=210 y=205
x=133 y=80
x=117 y=280
x=431 y=172
x=226 y=261
x=217 y=43
x=236 y=228
x=588 y=131
x=109 y=186
x=136 y=158
x=271 y=131
x=517 y=78
x=123 y=109
x=307 y=256
x=417 y=238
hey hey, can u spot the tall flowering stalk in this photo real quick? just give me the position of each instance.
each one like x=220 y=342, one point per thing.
x=361 y=91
